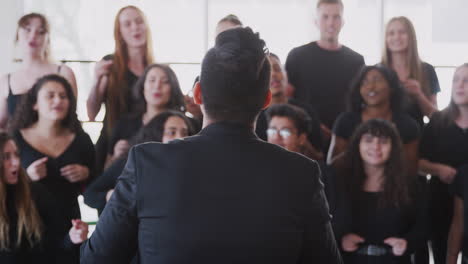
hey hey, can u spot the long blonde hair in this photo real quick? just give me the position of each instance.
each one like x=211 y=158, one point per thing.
x=29 y=223
x=25 y=20
x=451 y=112
x=116 y=102
x=412 y=59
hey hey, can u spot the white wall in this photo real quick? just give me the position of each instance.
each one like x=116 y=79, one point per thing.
x=10 y=11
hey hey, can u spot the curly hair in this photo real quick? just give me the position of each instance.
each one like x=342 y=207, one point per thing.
x=26 y=116
x=351 y=172
x=397 y=93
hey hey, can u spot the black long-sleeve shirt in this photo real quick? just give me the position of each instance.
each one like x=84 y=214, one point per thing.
x=364 y=216
x=95 y=194
x=80 y=151
x=55 y=240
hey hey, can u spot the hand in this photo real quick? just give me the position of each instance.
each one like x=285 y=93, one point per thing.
x=102 y=68
x=121 y=148
x=79 y=231
x=75 y=172
x=398 y=245
x=326 y=132
x=350 y=242
x=446 y=173
x=192 y=107
x=109 y=194
x=38 y=169
x=413 y=87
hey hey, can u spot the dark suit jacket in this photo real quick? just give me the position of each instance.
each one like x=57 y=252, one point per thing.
x=222 y=196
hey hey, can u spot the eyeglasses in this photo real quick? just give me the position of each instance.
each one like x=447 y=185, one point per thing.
x=284 y=132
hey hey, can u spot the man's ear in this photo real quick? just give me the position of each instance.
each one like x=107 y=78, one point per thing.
x=197 y=94
x=267 y=100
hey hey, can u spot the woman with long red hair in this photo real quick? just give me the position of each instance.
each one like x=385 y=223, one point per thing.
x=116 y=74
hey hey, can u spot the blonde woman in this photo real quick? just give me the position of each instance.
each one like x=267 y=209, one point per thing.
x=33 y=41
x=419 y=78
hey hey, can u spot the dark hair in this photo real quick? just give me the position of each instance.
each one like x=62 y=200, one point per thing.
x=235 y=76
x=176 y=99
x=26 y=116
x=397 y=92
x=233 y=19
x=153 y=131
x=338 y=2
x=351 y=168
x=298 y=116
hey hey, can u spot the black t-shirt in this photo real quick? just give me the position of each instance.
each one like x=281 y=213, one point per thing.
x=413 y=108
x=315 y=133
x=459 y=188
x=322 y=78
x=80 y=151
x=347 y=122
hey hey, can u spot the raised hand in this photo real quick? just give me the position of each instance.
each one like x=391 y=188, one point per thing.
x=38 y=169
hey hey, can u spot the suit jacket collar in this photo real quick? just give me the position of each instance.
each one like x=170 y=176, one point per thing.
x=226 y=128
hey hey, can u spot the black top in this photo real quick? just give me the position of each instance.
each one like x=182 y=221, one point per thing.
x=364 y=216
x=347 y=122
x=230 y=201
x=130 y=78
x=80 y=151
x=447 y=145
x=459 y=188
x=315 y=134
x=322 y=78
x=14 y=99
x=125 y=128
x=55 y=237
x=444 y=144
x=95 y=194
x=413 y=108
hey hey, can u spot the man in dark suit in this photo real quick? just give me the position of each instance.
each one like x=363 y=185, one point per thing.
x=222 y=196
